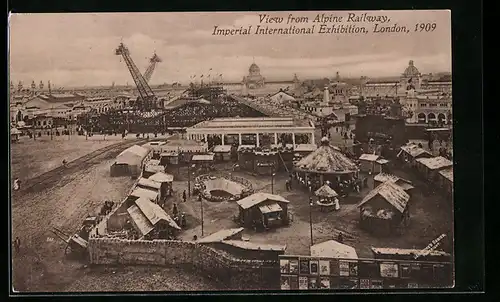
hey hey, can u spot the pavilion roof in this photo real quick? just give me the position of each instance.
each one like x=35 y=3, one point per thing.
x=326 y=159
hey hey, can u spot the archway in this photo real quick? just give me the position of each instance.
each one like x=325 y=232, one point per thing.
x=431 y=116
x=422 y=118
x=441 y=118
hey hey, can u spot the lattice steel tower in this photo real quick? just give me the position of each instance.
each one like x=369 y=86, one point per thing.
x=147 y=99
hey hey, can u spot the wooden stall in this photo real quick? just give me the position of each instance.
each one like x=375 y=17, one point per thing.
x=165 y=180
x=385 y=177
x=430 y=167
x=150 y=221
x=446 y=181
x=385 y=210
x=222 y=152
x=409 y=153
x=263 y=211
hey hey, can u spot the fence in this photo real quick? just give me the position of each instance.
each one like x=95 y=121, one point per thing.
x=232 y=272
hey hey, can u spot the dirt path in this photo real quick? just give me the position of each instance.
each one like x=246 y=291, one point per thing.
x=41 y=266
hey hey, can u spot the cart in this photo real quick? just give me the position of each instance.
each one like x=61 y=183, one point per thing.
x=75 y=244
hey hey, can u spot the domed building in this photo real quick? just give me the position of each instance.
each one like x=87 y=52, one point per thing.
x=411 y=77
x=254 y=79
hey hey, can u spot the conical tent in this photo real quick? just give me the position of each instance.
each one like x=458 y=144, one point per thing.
x=326 y=192
x=326 y=159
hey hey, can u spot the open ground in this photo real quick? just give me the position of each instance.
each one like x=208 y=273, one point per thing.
x=41 y=265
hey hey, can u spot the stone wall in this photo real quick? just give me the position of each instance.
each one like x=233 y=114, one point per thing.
x=232 y=272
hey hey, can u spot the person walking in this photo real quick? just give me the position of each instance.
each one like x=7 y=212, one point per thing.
x=17 y=245
x=17 y=184
x=184 y=196
x=340 y=237
x=175 y=211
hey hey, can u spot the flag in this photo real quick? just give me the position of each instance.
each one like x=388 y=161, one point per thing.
x=201 y=76
x=210 y=69
x=220 y=75
x=410 y=80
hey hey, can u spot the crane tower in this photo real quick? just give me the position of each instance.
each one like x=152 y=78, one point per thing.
x=147 y=99
x=152 y=64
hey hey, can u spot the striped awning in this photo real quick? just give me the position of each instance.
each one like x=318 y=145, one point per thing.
x=274 y=207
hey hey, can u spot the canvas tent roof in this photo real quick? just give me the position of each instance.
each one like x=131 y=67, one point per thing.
x=333 y=249
x=132 y=156
x=140 y=220
x=270 y=208
x=326 y=159
x=392 y=193
x=253 y=246
x=257 y=198
x=369 y=157
x=140 y=192
x=325 y=191
x=220 y=235
x=414 y=150
x=161 y=177
x=154 y=213
x=203 y=157
x=222 y=148
x=447 y=173
x=434 y=163
x=148 y=183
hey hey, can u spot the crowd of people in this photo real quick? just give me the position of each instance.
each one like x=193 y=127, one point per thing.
x=278 y=108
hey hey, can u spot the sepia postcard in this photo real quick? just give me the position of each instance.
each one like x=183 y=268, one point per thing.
x=231 y=151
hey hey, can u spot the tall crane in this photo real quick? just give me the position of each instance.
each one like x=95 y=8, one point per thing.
x=147 y=99
x=152 y=64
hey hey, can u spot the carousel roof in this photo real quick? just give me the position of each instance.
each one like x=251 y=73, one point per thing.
x=326 y=191
x=326 y=159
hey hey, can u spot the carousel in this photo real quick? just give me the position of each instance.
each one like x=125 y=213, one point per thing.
x=327 y=163
x=327 y=199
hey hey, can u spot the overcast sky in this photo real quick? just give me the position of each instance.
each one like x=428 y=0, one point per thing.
x=78 y=49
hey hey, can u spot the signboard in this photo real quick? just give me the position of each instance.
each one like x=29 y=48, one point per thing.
x=316 y=273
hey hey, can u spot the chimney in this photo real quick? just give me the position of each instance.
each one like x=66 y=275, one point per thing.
x=326 y=96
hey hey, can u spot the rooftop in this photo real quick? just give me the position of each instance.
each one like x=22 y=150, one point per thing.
x=369 y=157
x=414 y=150
x=447 y=173
x=434 y=163
x=253 y=246
x=140 y=192
x=326 y=159
x=257 y=122
x=333 y=249
x=257 y=198
x=161 y=177
x=392 y=193
x=220 y=235
x=154 y=212
x=326 y=191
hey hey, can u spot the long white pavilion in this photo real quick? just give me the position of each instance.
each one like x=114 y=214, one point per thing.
x=258 y=126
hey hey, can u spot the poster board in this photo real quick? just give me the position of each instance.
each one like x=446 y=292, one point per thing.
x=317 y=273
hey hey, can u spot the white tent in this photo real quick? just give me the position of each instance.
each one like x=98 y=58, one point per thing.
x=133 y=157
x=333 y=249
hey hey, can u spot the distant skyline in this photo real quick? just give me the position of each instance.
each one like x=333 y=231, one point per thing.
x=78 y=49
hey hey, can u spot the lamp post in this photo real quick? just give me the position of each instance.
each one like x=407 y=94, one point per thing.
x=310 y=219
x=189 y=178
x=201 y=210
x=272 y=179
